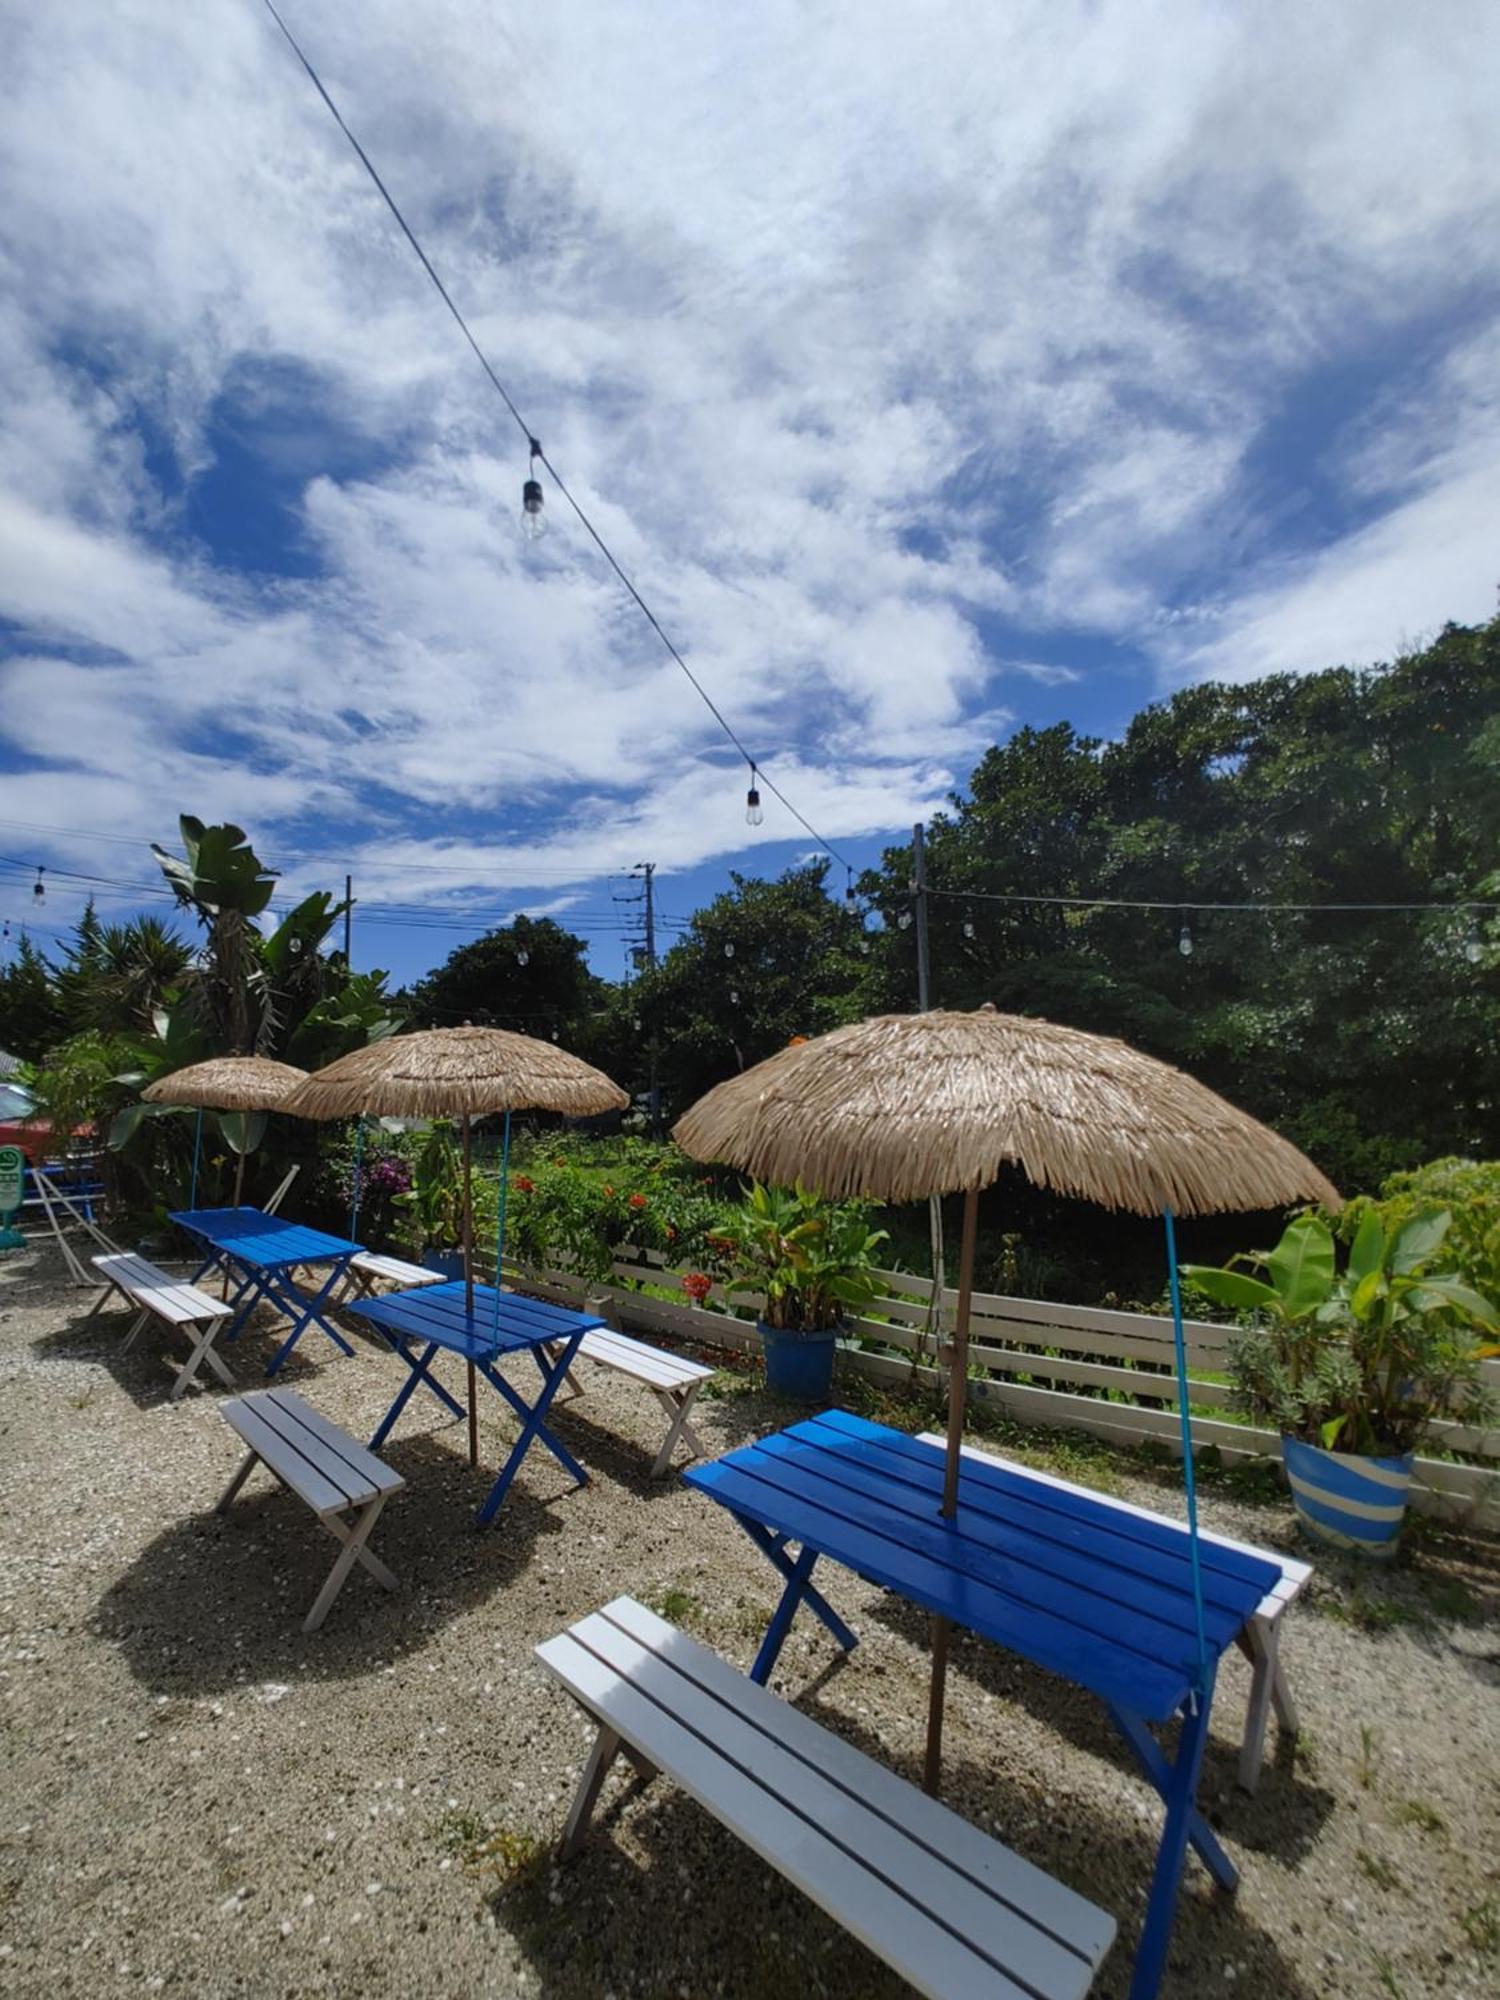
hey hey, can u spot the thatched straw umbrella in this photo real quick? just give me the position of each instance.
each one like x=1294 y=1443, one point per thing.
x=461 y=1073
x=908 y=1105
x=227 y=1083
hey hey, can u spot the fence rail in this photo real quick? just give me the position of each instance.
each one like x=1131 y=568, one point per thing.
x=1087 y=1368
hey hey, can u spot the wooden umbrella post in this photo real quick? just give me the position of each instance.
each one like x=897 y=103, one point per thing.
x=469 y=1298
x=239 y=1182
x=958 y=1386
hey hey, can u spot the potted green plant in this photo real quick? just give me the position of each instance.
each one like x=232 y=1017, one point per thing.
x=1353 y=1366
x=434 y=1204
x=812 y=1262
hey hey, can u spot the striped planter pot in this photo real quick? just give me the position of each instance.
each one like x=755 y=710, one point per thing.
x=1347 y=1501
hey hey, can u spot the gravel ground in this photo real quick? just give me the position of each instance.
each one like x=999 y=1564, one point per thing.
x=195 y=1797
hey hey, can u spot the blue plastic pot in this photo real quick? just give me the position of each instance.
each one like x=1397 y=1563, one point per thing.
x=799 y=1365
x=1347 y=1501
x=449 y=1262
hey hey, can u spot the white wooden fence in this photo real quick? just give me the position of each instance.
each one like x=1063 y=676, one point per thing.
x=1076 y=1367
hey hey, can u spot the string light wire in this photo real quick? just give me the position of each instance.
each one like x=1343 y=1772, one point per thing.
x=538 y=454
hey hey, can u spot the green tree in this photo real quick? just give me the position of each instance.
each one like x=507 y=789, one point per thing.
x=532 y=976
x=765 y=961
x=31 y=1014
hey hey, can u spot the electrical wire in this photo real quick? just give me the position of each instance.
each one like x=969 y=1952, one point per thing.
x=1180 y=903
x=755 y=764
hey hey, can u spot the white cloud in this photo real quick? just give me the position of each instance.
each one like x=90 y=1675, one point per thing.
x=856 y=330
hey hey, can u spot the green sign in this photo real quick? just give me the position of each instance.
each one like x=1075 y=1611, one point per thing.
x=12 y=1188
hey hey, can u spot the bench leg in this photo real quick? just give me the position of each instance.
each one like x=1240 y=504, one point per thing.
x=607 y=1746
x=1260 y=1643
x=203 y=1351
x=133 y=1332
x=100 y=1302
x=677 y=1405
x=237 y=1482
x=353 y=1551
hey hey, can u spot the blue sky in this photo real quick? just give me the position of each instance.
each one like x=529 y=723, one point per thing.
x=931 y=370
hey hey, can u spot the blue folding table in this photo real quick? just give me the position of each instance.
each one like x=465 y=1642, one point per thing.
x=436 y=1318
x=1102 y=1598
x=260 y=1252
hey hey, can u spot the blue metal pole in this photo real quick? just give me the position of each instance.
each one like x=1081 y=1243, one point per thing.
x=359 y=1153
x=1180 y=1342
x=500 y=1227
x=197 y=1149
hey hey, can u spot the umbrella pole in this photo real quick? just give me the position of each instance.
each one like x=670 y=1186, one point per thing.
x=359 y=1160
x=239 y=1182
x=1179 y=1339
x=197 y=1149
x=958 y=1388
x=469 y=1299
x=500 y=1231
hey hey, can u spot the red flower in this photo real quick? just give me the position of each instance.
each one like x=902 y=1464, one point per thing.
x=524 y=1185
x=637 y=1201
x=671 y=1234
x=697 y=1285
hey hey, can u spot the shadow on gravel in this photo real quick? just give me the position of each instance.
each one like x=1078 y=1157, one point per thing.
x=664 y=1899
x=143 y=1372
x=1283 y=1818
x=219 y=1599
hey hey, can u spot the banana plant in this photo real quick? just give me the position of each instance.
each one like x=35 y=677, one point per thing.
x=1361 y=1360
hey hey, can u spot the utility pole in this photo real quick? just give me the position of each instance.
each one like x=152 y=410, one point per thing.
x=924 y=1003
x=348 y=921
x=647 y=872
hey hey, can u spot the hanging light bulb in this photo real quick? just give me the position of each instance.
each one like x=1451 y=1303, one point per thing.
x=6 y=932
x=729 y=950
x=849 y=885
x=636 y=1024
x=39 y=888
x=904 y=920
x=1473 y=943
x=753 y=813
x=533 y=520
x=864 y=946
x=1185 y=940
x=734 y=996
x=554 y=1034
x=523 y=956
x=968 y=927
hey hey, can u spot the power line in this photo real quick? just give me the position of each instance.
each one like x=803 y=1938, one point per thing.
x=537 y=452
x=1183 y=903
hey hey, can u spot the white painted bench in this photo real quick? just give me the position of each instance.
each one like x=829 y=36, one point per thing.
x=1260 y=1641
x=671 y=1378
x=956 y=1914
x=372 y=1267
x=174 y=1302
x=325 y=1467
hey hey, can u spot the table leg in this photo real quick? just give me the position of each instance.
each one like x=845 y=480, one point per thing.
x=404 y=1395
x=398 y=1341
x=798 y=1591
x=289 y=1300
x=533 y=1426
x=258 y=1286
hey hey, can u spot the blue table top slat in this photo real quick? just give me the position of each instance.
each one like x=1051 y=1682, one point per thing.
x=265 y=1242
x=1064 y=1588
x=1001 y=1488
x=1125 y=1608
x=436 y=1312
x=1025 y=1506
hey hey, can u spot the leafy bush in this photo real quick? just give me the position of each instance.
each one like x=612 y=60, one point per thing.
x=1361 y=1360
x=1468 y=1189
x=811 y=1259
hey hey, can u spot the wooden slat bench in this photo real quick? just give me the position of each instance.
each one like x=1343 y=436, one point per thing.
x=322 y=1465
x=373 y=1267
x=947 y=1906
x=1259 y=1642
x=671 y=1378
x=177 y=1304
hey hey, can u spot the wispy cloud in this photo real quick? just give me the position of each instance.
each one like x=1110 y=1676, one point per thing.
x=865 y=334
